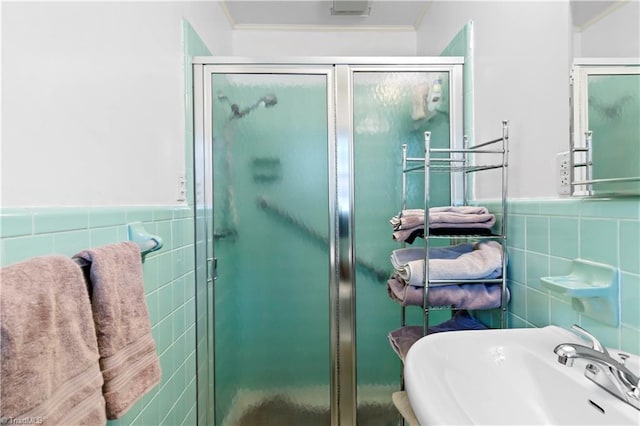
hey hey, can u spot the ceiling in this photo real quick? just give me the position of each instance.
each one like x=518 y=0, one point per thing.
x=316 y=14
x=398 y=15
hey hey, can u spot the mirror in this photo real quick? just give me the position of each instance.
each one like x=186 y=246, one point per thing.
x=605 y=145
x=605 y=98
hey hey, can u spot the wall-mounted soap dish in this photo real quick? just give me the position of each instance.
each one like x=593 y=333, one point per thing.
x=593 y=288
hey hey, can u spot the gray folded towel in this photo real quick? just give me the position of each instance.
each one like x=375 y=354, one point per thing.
x=128 y=359
x=50 y=371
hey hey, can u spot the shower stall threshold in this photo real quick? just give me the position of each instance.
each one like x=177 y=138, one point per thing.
x=308 y=406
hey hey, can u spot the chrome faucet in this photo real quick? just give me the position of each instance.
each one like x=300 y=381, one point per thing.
x=604 y=370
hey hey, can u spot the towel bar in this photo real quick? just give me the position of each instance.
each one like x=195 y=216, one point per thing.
x=137 y=234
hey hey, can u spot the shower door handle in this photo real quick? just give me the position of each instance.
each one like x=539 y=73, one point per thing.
x=212 y=269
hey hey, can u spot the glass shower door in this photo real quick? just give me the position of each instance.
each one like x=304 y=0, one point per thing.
x=390 y=109
x=271 y=241
x=304 y=170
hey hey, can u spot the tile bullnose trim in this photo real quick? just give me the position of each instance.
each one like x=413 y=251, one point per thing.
x=58 y=219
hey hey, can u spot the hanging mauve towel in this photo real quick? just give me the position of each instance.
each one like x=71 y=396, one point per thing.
x=128 y=359
x=50 y=372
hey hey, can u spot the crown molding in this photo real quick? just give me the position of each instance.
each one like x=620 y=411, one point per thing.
x=616 y=5
x=327 y=28
x=227 y=13
x=420 y=17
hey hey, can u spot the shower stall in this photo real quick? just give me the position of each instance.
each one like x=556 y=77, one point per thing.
x=297 y=172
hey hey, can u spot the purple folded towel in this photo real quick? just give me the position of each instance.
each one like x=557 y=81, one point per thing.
x=128 y=359
x=403 y=338
x=461 y=296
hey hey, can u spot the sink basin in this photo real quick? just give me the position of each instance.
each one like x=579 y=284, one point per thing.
x=508 y=376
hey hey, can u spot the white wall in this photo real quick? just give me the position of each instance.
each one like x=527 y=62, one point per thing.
x=617 y=34
x=92 y=95
x=93 y=100
x=257 y=43
x=522 y=59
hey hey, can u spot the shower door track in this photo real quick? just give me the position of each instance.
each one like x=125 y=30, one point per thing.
x=342 y=260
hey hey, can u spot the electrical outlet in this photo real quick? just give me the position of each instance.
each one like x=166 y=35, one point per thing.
x=563 y=174
x=182 y=188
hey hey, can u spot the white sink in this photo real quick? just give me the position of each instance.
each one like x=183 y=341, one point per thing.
x=508 y=376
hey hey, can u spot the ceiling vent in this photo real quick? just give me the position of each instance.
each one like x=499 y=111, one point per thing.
x=351 y=7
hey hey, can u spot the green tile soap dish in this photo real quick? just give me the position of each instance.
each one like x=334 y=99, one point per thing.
x=593 y=288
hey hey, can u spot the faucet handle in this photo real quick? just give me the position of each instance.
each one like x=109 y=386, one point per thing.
x=623 y=359
x=595 y=343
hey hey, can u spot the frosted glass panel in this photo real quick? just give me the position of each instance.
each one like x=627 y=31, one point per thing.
x=614 y=109
x=271 y=219
x=389 y=109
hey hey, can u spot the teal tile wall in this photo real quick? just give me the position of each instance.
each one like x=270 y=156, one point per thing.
x=192 y=45
x=462 y=45
x=545 y=235
x=168 y=278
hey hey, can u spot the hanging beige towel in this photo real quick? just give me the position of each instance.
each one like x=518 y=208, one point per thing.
x=128 y=359
x=50 y=372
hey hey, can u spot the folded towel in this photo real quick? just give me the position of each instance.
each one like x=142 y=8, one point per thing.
x=478 y=229
x=128 y=359
x=468 y=210
x=409 y=223
x=483 y=262
x=462 y=296
x=455 y=220
x=401 y=257
x=461 y=320
x=403 y=338
x=409 y=235
x=402 y=404
x=410 y=218
x=50 y=371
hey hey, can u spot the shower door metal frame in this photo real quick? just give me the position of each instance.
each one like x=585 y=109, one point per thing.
x=203 y=155
x=339 y=72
